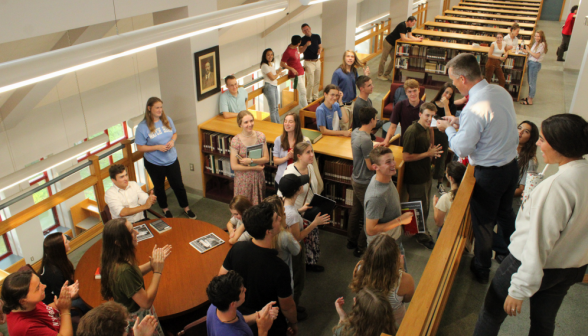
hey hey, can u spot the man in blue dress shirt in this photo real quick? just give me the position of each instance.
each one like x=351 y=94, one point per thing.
x=488 y=135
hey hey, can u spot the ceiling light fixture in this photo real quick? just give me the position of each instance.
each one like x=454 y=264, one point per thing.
x=57 y=63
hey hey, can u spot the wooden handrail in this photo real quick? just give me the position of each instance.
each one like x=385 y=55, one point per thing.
x=426 y=308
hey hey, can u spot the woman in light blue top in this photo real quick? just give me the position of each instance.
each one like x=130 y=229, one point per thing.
x=156 y=136
x=284 y=144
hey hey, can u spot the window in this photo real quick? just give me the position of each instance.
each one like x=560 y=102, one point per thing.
x=116 y=134
x=49 y=219
x=5 y=249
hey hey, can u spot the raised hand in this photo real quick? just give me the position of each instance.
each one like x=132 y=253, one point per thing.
x=339 y=307
x=157 y=259
x=322 y=220
x=63 y=303
x=74 y=289
x=145 y=327
x=264 y=319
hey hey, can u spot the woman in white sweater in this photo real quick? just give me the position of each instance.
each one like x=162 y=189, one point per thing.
x=549 y=249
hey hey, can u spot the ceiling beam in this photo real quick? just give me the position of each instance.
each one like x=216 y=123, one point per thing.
x=283 y=20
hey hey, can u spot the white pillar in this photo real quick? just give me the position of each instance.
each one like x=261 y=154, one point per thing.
x=339 y=19
x=178 y=89
x=575 y=53
x=400 y=10
x=580 y=98
x=435 y=8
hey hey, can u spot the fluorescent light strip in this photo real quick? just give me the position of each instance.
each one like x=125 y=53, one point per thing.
x=55 y=165
x=130 y=52
x=316 y=2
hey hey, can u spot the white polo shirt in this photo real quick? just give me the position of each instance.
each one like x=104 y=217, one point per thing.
x=131 y=197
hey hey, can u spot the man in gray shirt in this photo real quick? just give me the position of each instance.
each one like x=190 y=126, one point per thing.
x=382 y=203
x=361 y=146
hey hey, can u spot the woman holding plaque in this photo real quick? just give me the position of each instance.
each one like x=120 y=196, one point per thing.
x=249 y=175
x=548 y=250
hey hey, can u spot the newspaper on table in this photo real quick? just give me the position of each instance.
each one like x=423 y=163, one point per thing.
x=144 y=232
x=206 y=243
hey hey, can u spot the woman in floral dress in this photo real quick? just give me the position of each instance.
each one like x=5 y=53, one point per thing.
x=249 y=175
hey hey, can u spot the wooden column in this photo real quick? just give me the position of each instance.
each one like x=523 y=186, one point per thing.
x=99 y=187
x=129 y=163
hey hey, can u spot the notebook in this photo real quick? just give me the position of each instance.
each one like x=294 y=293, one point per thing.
x=313 y=135
x=319 y=204
x=255 y=152
x=417 y=224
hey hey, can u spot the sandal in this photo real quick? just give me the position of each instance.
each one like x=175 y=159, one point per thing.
x=525 y=102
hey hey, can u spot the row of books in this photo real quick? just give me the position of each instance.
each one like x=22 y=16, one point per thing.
x=217 y=142
x=340 y=193
x=340 y=217
x=512 y=62
x=338 y=169
x=427 y=52
x=437 y=68
x=218 y=165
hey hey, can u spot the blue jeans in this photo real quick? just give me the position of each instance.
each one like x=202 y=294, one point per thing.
x=532 y=72
x=271 y=94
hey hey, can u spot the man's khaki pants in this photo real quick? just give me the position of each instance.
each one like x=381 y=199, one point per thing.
x=312 y=71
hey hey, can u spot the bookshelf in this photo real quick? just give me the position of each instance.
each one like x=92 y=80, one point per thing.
x=430 y=58
x=513 y=8
x=473 y=30
x=525 y=27
x=332 y=152
x=456 y=37
x=479 y=3
x=486 y=16
x=85 y=215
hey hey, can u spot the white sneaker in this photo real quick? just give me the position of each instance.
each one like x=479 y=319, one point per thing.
x=384 y=78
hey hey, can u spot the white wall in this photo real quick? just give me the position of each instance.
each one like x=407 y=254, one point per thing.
x=370 y=9
x=575 y=53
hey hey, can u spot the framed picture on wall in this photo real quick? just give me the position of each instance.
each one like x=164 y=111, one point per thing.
x=207 y=72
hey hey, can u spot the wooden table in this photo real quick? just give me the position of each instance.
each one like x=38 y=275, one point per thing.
x=186 y=274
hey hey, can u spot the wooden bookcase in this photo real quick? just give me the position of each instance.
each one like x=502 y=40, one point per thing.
x=85 y=215
x=518 y=13
x=485 y=16
x=456 y=37
x=480 y=3
x=328 y=149
x=506 y=24
x=415 y=56
x=473 y=30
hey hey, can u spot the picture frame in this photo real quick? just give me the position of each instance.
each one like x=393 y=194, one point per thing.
x=207 y=68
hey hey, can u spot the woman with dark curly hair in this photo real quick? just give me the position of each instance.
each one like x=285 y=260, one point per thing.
x=371 y=315
x=110 y=319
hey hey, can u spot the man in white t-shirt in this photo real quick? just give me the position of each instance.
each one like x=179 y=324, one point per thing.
x=511 y=40
x=125 y=198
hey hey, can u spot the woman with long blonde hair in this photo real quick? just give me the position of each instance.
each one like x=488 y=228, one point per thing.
x=156 y=136
x=345 y=76
x=536 y=53
x=381 y=268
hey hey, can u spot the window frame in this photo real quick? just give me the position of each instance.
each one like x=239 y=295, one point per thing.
x=108 y=143
x=45 y=177
x=9 y=251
